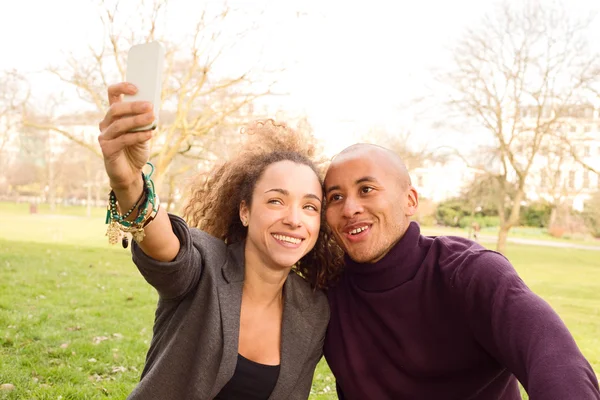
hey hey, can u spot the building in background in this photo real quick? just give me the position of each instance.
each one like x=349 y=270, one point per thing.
x=559 y=175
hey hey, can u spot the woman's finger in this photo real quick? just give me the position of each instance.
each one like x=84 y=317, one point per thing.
x=124 y=125
x=113 y=146
x=126 y=108
x=116 y=91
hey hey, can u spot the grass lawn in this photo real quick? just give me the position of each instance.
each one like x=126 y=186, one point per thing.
x=44 y=209
x=76 y=316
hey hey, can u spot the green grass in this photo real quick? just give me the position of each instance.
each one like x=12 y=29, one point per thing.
x=76 y=316
x=44 y=209
x=569 y=280
x=74 y=321
x=53 y=228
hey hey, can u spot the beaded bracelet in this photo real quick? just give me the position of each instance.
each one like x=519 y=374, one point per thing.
x=118 y=224
x=133 y=207
x=137 y=231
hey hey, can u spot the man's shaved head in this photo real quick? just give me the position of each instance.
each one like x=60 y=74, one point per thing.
x=379 y=153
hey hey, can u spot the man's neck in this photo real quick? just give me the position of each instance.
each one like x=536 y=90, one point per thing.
x=394 y=244
x=398 y=265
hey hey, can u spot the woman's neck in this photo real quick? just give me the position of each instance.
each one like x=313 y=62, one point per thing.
x=263 y=285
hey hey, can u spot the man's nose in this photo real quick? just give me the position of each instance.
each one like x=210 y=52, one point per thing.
x=352 y=206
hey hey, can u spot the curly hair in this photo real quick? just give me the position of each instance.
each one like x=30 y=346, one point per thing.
x=213 y=204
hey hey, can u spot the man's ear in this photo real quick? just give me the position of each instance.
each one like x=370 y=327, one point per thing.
x=413 y=201
x=244 y=213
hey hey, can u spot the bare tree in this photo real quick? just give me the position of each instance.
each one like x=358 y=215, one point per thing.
x=553 y=183
x=591 y=214
x=403 y=144
x=14 y=93
x=521 y=76
x=575 y=144
x=484 y=193
x=27 y=174
x=198 y=94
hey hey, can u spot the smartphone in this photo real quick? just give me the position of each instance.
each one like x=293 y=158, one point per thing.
x=145 y=70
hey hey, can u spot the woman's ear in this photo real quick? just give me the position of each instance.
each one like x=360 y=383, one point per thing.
x=244 y=213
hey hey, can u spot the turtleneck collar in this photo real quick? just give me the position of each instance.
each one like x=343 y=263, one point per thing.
x=398 y=266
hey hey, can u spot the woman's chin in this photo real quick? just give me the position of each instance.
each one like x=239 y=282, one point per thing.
x=284 y=261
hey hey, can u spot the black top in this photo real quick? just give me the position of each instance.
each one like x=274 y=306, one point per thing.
x=250 y=381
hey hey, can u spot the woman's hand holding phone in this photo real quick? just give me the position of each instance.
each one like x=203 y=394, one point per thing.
x=125 y=153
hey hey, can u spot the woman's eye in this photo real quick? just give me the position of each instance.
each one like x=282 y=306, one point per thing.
x=275 y=201
x=366 y=189
x=335 y=197
x=311 y=207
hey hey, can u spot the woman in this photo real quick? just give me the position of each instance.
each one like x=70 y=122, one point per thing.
x=232 y=320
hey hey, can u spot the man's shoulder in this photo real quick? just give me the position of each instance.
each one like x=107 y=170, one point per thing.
x=454 y=245
x=465 y=259
x=456 y=250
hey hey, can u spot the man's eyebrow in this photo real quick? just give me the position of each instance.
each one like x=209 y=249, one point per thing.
x=358 y=182
x=332 y=188
x=366 y=179
x=287 y=193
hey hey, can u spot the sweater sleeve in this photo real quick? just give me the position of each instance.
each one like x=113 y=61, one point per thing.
x=175 y=278
x=338 y=389
x=521 y=330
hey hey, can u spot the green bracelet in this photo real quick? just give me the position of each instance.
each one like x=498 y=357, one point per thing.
x=118 y=223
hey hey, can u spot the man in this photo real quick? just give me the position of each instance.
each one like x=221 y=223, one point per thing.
x=415 y=317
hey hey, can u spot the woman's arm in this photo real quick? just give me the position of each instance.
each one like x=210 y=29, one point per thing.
x=125 y=153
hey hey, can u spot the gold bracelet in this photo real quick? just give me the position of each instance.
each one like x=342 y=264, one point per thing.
x=137 y=231
x=153 y=214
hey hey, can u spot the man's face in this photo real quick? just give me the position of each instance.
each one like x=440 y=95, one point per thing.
x=368 y=204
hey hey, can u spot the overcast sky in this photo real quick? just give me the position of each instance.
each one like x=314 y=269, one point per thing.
x=350 y=65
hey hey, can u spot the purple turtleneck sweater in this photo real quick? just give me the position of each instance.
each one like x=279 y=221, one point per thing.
x=444 y=318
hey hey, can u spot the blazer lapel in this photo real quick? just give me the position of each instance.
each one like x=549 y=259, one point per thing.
x=230 y=299
x=296 y=332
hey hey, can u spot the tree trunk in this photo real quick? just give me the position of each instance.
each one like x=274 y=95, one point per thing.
x=553 y=215
x=88 y=210
x=502 y=237
x=158 y=179
x=471 y=221
x=97 y=194
x=88 y=176
x=51 y=184
x=513 y=219
x=98 y=186
x=171 y=191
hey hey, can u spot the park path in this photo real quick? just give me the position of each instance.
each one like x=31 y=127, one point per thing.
x=517 y=240
x=547 y=243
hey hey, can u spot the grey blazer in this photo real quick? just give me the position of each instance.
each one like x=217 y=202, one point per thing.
x=194 y=347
